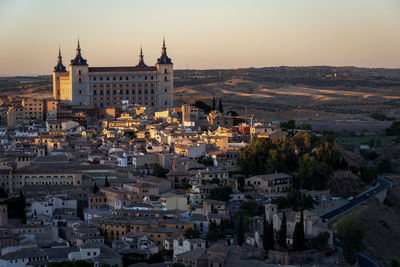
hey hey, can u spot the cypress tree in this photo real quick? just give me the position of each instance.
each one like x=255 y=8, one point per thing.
x=106 y=182
x=296 y=237
x=220 y=108
x=302 y=238
x=271 y=239
x=240 y=230
x=265 y=233
x=214 y=105
x=282 y=232
x=95 y=188
x=268 y=235
x=298 y=234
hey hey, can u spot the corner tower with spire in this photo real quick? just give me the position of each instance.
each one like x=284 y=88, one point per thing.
x=165 y=97
x=79 y=78
x=59 y=70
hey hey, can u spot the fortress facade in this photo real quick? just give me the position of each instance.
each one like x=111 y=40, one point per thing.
x=108 y=86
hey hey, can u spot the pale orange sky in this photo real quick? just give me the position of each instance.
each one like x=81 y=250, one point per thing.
x=200 y=34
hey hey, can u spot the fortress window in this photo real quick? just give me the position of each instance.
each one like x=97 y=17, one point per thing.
x=166 y=90
x=166 y=103
x=101 y=78
x=152 y=77
x=80 y=72
x=126 y=77
x=114 y=78
x=80 y=80
x=108 y=78
x=94 y=78
x=145 y=77
x=120 y=78
x=165 y=71
x=165 y=78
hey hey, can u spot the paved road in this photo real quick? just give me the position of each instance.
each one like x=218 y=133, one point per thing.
x=383 y=184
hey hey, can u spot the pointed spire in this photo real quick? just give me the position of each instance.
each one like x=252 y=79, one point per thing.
x=78 y=49
x=78 y=60
x=59 y=67
x=141 y=61
x=164 y=49
x=164 y=59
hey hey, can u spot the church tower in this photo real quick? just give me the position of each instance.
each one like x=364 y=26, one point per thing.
x=59 y=70
x=79 y=79
x=165 y=96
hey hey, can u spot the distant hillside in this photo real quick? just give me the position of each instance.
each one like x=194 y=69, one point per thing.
x=279 y=93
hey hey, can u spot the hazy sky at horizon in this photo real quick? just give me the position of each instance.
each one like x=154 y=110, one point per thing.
x=200 y=34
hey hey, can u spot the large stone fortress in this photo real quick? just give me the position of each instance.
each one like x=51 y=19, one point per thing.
x=107 y=86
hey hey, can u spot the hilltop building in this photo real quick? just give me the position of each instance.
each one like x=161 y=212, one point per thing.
x=107 y=86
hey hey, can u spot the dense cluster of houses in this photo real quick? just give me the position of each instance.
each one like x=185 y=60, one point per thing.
x=120 y=185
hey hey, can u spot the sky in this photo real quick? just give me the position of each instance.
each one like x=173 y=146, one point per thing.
x=204 y=34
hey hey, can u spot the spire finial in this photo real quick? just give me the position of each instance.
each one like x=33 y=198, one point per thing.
x=141 y=50
x=59 y=50
x=78 y=49
x=163 y=49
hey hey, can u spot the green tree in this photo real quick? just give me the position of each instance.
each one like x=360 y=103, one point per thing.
x=282 y=232
x=395 y=263
x=298 y=234
x=220 y=107
x=321 y=240
x=203 y=106
x=192 y=233
x=106 y=182
x=384 y=166
x=268 y=235
x=221 y=193
x=240 y=237
x=95 y=188
x=350 y=232
x=214 y=106
x=159 y=171
x=394 y=129
x=249 y=208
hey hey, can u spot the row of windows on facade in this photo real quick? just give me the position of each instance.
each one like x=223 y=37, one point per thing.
x=165 y=79
x=121 y=78
x=127 y=92
x=121 y=86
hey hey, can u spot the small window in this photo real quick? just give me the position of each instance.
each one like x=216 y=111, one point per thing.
x=94 y=78
x=80 y=80
x=80 y=72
